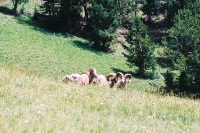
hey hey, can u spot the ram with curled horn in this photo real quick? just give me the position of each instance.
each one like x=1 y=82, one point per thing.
x=119 y=79
x=124 y=79
x=105 y=81
x=113 y=78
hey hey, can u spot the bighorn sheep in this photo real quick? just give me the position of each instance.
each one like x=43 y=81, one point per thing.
x=70 y=78
x=89 y=75
x=107 y=81
x=122 y=83
x=84 y=78
x=101 y=81
x=112 y=79
x=115 y=79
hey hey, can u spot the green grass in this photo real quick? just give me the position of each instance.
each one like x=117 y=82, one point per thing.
x=39 y=104
x=50 y=53
x=34 y=99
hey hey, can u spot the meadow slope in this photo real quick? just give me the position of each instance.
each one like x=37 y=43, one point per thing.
x=34 y=99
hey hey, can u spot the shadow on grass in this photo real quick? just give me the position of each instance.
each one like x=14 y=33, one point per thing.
x=49 y=25
x=5 y=10
x=86 y=46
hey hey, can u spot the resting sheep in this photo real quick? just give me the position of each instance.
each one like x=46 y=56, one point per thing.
x=119 y=78
x=90 y=74
x=82 y=79
x=110 y=80
x=107 y=81
x=101 y=81
x=70 y=78
x=122 y=83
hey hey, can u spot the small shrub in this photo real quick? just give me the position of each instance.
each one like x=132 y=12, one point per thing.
x=170 y=81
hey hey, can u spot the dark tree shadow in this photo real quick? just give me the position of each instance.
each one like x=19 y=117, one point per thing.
x=5 y=10
x=49 y=25
x=86 y=46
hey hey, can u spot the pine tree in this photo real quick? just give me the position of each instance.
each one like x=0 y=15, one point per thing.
x=175 y=5
x=70 y=8
x=139 y=48
x=127 y=10
x=183 y=37
x=16 y=3
x=102 y=21
x=183 y=49
x=50 y=7
x=150 y=8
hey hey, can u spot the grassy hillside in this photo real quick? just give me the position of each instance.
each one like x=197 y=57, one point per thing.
x=50 y=53
x=29 y=103
x=34 y=99
x=54 y=55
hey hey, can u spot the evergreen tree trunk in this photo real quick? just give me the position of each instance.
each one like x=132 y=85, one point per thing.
x=142 y=70
x=85 y=9
x=14 y=10
x=135 y=8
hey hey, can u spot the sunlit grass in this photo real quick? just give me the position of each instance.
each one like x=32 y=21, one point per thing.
x=34 y=99
x=55 y=55
x=50 y=53
x=38 y=104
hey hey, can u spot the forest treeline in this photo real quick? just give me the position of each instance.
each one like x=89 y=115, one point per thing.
x=98 y=20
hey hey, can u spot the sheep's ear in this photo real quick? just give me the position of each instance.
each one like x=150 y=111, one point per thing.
x=129 y=76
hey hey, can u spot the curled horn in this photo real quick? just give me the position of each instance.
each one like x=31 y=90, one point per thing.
x=110 y=75
x=119 y=74
x=129 y=76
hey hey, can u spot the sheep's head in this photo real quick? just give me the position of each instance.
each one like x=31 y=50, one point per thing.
x=113 y=78
x=122 y=82
x=91 y=74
